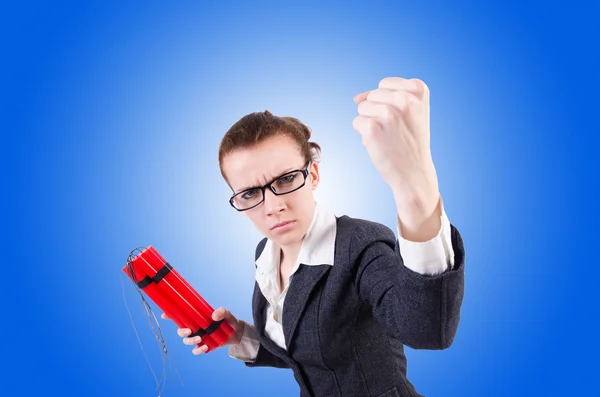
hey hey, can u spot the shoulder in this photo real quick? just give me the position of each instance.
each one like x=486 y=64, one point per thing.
x=349 y=227
x=360 y=241
x=362 y=232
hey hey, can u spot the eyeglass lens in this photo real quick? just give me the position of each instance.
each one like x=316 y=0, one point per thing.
x=285 y=184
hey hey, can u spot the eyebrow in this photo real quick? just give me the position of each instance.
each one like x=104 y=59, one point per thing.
x=256 y=186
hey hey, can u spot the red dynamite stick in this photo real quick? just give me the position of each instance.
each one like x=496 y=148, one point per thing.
x=174 y=312
x=189 y=294
x=158 y=296
x=166 y=293
x=224 y=331
x=171 y=282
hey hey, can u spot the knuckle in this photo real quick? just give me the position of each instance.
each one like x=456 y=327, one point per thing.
x=183 y=332
x=372 y=94
x=421 y=85
x=398 y=96
x=383 y=82
x=371 y=129
x=362 y=106
x=417 y=82
x=405 y=101
x=387 y=112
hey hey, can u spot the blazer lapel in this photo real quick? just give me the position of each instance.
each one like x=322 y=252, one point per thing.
x=258 y=309
x=301 y=285
x=259 y=303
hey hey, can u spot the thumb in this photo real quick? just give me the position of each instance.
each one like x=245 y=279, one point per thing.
x=221 y=313
x=358 y=98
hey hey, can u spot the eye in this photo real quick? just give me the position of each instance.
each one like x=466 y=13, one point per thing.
x=287 y=179
x=250 y=194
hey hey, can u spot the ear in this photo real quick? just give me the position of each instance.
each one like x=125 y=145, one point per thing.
x=314 y=175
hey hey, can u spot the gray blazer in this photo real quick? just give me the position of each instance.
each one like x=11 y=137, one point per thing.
x=346 y=325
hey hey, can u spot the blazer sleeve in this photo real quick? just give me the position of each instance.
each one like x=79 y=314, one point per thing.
x=421 y=311
x=266 y=359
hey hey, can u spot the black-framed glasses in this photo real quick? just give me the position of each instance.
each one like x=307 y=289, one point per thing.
x=284 y=184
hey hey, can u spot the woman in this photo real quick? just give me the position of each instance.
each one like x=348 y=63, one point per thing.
x=337 y=298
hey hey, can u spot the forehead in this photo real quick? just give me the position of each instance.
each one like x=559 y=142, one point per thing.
x=261 y=163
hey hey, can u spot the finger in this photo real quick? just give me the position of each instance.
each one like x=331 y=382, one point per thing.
x=366 y=126
x=183 y=332
x=218 y=314
x=164 y=316
x=200 y=350
x=376 y=110
x=222 y=313
x=192 y=341
x=400 y=100
x=358 y=98
x=415 y=86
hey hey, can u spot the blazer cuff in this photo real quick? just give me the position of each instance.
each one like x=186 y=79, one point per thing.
x=247 y=349
x=431 y=257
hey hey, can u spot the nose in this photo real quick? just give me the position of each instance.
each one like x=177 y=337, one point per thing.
x=273 y=203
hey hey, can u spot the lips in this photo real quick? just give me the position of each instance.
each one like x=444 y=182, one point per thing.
x=281 y=224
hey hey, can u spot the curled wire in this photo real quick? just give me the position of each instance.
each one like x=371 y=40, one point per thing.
x=154 y=325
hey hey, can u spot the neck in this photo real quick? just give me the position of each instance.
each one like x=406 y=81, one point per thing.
x=289 y=253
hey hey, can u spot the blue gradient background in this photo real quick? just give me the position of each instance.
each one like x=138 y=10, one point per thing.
x=111 y=119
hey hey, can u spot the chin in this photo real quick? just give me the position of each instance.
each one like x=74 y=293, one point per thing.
x=286 y=239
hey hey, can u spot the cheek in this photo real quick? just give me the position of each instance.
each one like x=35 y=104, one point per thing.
x=259 y=221
x=301 y=207
x=262 y=222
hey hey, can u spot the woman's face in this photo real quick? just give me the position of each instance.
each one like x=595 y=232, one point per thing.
x=261 y=164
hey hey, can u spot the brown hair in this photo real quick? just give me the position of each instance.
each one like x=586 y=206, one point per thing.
x=258 y=127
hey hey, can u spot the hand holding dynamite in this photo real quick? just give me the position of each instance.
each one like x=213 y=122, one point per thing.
x=218 y=315
x=180 y=302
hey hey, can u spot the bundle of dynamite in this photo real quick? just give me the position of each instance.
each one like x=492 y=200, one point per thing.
x=176 y=297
